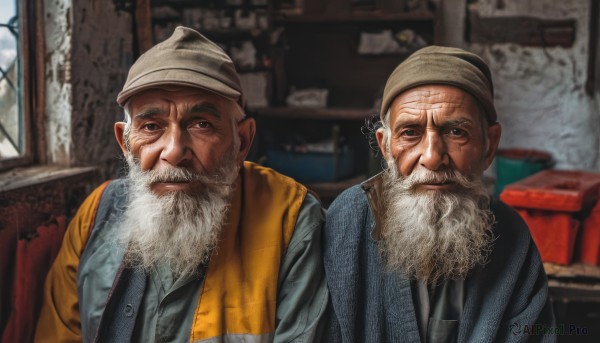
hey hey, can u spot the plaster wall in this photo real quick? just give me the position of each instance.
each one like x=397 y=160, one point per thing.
x=539 y=92
x=58 y=32
x=88 y=54
x=101 y=57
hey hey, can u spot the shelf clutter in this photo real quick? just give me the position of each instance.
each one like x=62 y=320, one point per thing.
x=315 y=113
x=312 y=74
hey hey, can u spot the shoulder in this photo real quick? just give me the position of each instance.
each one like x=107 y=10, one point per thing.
x=352 y=202
x=311 y=209
x=512 y=240
x=267 y=177
x=116 y=187
x=113 y=200
x=266 y=186
x=272 y=198
x=509 y=226
x=347 y=216
x=80 y=226
x=94 y=198
x=347 y=221
x=106 y=202
x=310 y=220
x=87 y=212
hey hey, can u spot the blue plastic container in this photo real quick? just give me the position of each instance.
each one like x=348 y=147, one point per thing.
x=312 y=166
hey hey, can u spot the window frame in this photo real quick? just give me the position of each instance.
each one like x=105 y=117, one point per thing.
x=592 y=84
x=31 y=48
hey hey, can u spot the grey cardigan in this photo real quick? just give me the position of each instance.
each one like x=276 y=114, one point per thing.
x=505 y=300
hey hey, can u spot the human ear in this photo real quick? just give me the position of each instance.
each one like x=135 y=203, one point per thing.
x=119 y=134
x=382 y=142
x=246 y=132
x=494 y=132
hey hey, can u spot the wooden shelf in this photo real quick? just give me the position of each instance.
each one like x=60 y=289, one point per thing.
x=35 y=176
x=575 y=270
x=574 y=291
x=232 y=33
x=575 y=282
x=356 y=16
x=333 y=189
x=314 y=113
x=203 y=4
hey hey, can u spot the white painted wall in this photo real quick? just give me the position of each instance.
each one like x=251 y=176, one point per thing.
x=539 y=92
x=58 y=109
x=88 y=54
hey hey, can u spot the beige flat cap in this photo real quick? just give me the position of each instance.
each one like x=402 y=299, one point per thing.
x=187 y=58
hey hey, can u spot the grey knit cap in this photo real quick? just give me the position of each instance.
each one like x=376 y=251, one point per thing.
x=443 y=65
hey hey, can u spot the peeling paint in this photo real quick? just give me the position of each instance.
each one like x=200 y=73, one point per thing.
x=87 y=58
x=58 y=88
x=101 y=59
x=540 y=95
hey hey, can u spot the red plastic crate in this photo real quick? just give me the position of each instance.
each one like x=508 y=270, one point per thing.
x=554 y=234
x=589 y=245
x=555 y=190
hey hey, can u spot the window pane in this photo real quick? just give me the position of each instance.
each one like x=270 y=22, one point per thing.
x=11 y=116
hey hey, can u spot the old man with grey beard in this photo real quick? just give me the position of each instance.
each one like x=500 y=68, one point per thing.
x=195 y=244
x=420 y=252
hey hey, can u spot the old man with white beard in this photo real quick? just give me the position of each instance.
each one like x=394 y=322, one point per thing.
x=420 y=252
x=195 y=244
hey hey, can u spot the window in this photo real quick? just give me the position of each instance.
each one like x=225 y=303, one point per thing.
x=11 y=110
x=16 y=71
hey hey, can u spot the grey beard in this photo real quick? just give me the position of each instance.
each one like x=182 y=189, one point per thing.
x=434 y=235
x=178 y=229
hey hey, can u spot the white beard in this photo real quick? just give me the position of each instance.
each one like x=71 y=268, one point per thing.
x=178 y=229
x=434 y=235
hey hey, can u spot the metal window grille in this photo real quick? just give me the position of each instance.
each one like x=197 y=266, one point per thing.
x=12 y=136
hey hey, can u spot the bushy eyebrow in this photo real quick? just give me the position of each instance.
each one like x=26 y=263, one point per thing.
x=456 y=122
x=203 y=109
x=407 y=122
x=149 y=113
x=446 y=124
x=193 y=109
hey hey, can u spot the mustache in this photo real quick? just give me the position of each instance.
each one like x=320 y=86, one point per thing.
x=425 y=176
x=174 y=174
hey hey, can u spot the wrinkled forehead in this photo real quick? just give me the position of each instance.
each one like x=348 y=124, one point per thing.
x=186 y=97
x=420 y=99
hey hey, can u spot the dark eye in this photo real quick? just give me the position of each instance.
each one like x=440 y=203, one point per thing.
x=204 y=124
x=457 y=132
x=409 y=133
x=150 y=127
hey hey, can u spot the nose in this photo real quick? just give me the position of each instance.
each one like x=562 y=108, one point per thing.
x=435 y=153
x=177 y=151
